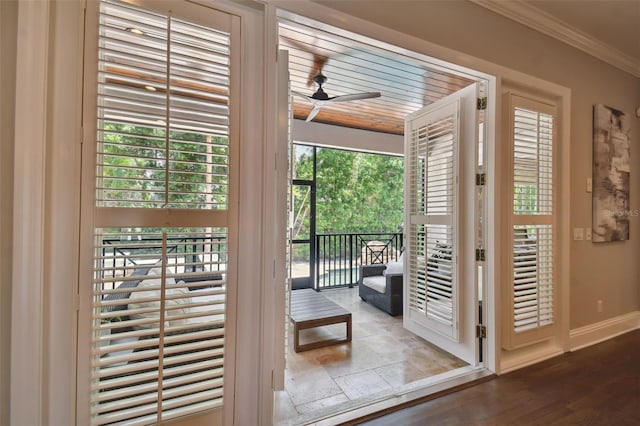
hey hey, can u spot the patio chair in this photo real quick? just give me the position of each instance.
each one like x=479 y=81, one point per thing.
x=381 y=286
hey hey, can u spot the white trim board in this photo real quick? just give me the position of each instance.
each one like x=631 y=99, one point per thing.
x=524 y=357
x=27 y=380
x=579 y=338
x=551 y=26
x=346 y=138
x=604 y=330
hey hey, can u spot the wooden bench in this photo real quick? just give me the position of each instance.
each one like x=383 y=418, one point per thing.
x=311 y=309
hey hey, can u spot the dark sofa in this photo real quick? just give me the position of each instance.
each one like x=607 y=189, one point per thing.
x=390 y=300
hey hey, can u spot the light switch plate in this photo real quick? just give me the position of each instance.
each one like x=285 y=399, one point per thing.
x=589 y=185
x=578 y=234
x=587 y=234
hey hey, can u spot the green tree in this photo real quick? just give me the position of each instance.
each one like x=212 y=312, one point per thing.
x=356 y=192
x=133 y=167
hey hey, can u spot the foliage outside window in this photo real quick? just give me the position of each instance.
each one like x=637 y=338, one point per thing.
x=355 y=192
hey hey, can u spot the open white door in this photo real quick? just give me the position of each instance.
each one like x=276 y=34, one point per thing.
x=282 y=272
x=440 y=297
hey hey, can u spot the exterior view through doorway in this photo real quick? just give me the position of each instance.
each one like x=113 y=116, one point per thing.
x=441 y=232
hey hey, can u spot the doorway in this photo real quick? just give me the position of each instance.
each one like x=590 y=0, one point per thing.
x=407 y=81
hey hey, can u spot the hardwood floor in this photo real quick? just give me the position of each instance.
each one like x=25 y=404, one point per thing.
x=598 y=385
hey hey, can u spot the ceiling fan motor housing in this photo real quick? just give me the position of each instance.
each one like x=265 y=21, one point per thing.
x=320 y=95
x=320 y=79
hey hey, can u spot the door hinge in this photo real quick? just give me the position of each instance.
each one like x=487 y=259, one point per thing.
x=482 y=103
x=481 y=179
x=481 y=331
x=480 y=255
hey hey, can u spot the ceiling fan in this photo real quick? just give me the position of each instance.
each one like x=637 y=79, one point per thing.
x=320 y=98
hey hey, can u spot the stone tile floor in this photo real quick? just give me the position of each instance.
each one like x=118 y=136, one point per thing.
x=381 y=358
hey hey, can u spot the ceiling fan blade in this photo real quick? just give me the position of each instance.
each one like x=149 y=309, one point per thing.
x=355 y=97
x=302 y=95
x=314 y=112
x=320 y=58
x=318 y=64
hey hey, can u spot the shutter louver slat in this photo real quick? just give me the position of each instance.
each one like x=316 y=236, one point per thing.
x=127 y=359
x=532 y=296
x=532 y=238
x=133 y=92
x=431 y=203
x=159 y=294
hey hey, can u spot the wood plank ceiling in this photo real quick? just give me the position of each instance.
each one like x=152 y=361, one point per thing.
x=354 y=64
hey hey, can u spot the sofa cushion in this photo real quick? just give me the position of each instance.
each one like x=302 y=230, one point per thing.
x=120 y=295
x=377 y=283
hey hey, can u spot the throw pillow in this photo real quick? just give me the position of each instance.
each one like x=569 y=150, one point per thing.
x=147 y=297
x=394 y=268
x=158 y=272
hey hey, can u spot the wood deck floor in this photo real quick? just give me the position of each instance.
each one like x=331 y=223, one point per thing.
x=598 y=385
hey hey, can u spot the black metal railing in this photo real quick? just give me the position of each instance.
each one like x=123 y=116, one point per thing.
x=338 y=256
x=121 y=256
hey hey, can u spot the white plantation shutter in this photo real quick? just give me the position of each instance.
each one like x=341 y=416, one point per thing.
x=432 y=236
x=163 y=236
x=159 y=324
x=164 y=111
x=531 y=295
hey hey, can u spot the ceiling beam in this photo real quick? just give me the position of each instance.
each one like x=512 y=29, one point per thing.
x=345 y=138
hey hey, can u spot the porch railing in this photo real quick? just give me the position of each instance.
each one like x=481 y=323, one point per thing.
x=120 y=257
x=338 y=256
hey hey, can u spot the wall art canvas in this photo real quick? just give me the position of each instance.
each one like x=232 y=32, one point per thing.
x=611 y=170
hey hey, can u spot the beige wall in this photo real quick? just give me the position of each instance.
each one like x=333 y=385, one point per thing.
x=8 y=28
x=607 y=271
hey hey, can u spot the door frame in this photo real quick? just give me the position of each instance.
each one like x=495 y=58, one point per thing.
x=307 y=282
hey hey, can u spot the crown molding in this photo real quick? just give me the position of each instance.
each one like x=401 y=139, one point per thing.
x=538 y=20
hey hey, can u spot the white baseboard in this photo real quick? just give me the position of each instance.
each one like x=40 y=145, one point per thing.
x=604 y=330
x=521 y=358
